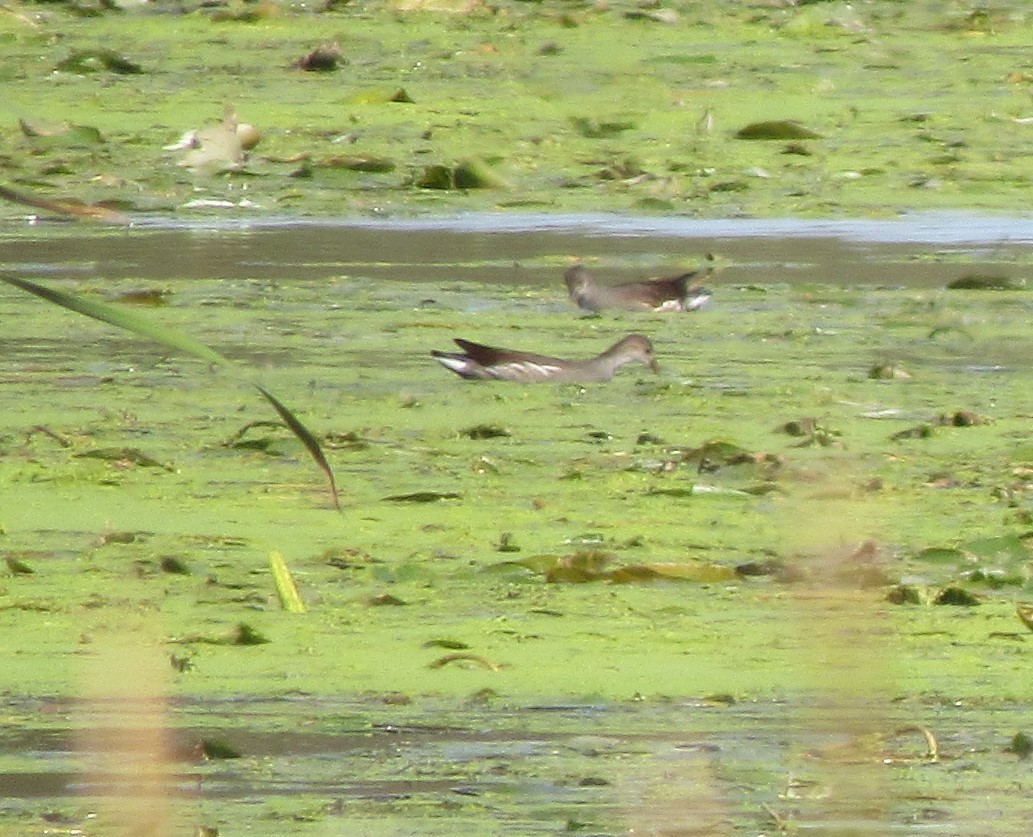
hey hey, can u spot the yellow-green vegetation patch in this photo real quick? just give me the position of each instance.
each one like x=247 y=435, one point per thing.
x=696 y=108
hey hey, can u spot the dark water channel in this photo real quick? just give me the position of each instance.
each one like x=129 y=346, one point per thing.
x=922 y=250
x=342 y=766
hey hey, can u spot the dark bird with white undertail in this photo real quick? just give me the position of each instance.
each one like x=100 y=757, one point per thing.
x=479 y=362
x=684 y=292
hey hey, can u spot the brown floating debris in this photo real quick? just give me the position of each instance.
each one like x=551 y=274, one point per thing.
x=66 y=206
x=483 y=662
x=1021 y=745
x=97 y=60
x=986 y=282
x=324 y=58
x=422 y=497
x=779 y=129
x=124 y=457
x=962 y=418
x=888 y=372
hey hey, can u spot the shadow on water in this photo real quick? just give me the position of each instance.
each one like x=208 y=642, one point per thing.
x=921 y=250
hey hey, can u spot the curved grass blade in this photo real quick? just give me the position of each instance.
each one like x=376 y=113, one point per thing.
x=307 y=439
x=286 y=586
x=175 y=339
x=120 y=318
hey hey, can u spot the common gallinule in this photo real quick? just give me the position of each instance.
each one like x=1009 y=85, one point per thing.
x=490 y=363
x=684 y=292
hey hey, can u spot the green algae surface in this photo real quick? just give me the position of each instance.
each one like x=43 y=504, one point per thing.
x=772 y=588
x=692 y=108
x=809 y=529
x=767 y=437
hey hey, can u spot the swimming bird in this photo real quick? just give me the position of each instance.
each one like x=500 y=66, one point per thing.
x=684 y=292
x=490 y=363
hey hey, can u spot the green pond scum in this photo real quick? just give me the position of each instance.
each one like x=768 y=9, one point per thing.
x=694 y=108
x=747 y=533
x=772 y=588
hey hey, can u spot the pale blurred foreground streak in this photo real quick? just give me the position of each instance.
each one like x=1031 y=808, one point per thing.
x=840 y=756
x=129 y=771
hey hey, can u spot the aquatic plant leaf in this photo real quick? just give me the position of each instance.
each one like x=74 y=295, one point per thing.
x=435 y=176
x=472 y=173
x=97 y=60
x=535 y=563
x=130 y=456
x=213 y=748
x=1021 y=745
x=323 y=59
x=286 y=587
x=449 y=644
x=668 y=16
x=985 y=282
x=725 y=491
x=174 y=565
x=700 y=572
x=888 y=372
x=718 y=453
x=584 y=565
x=475 y=173
x=957 y=596
x=61 y=136
x=244 y=634
x=779 y=129
x=907 y=594
x=307 y=439
x=34 y=128
x=995 y=579
x=422 y=497
x=962 y=418
x=120 y=318
x=237 y=439
x=597 y=129
x=597 y=565
x=486 y=431
x=380 y=97
x=921 y=431
x=17 y=566
x=180 y=663
x=384 y=600
x=687 y=491
x=122 y=537
x=939 y=331
x=799 y=427
x=358 y=162
x=67 y=207
x=240 y=634
x=145 y=298
x=465 y=657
